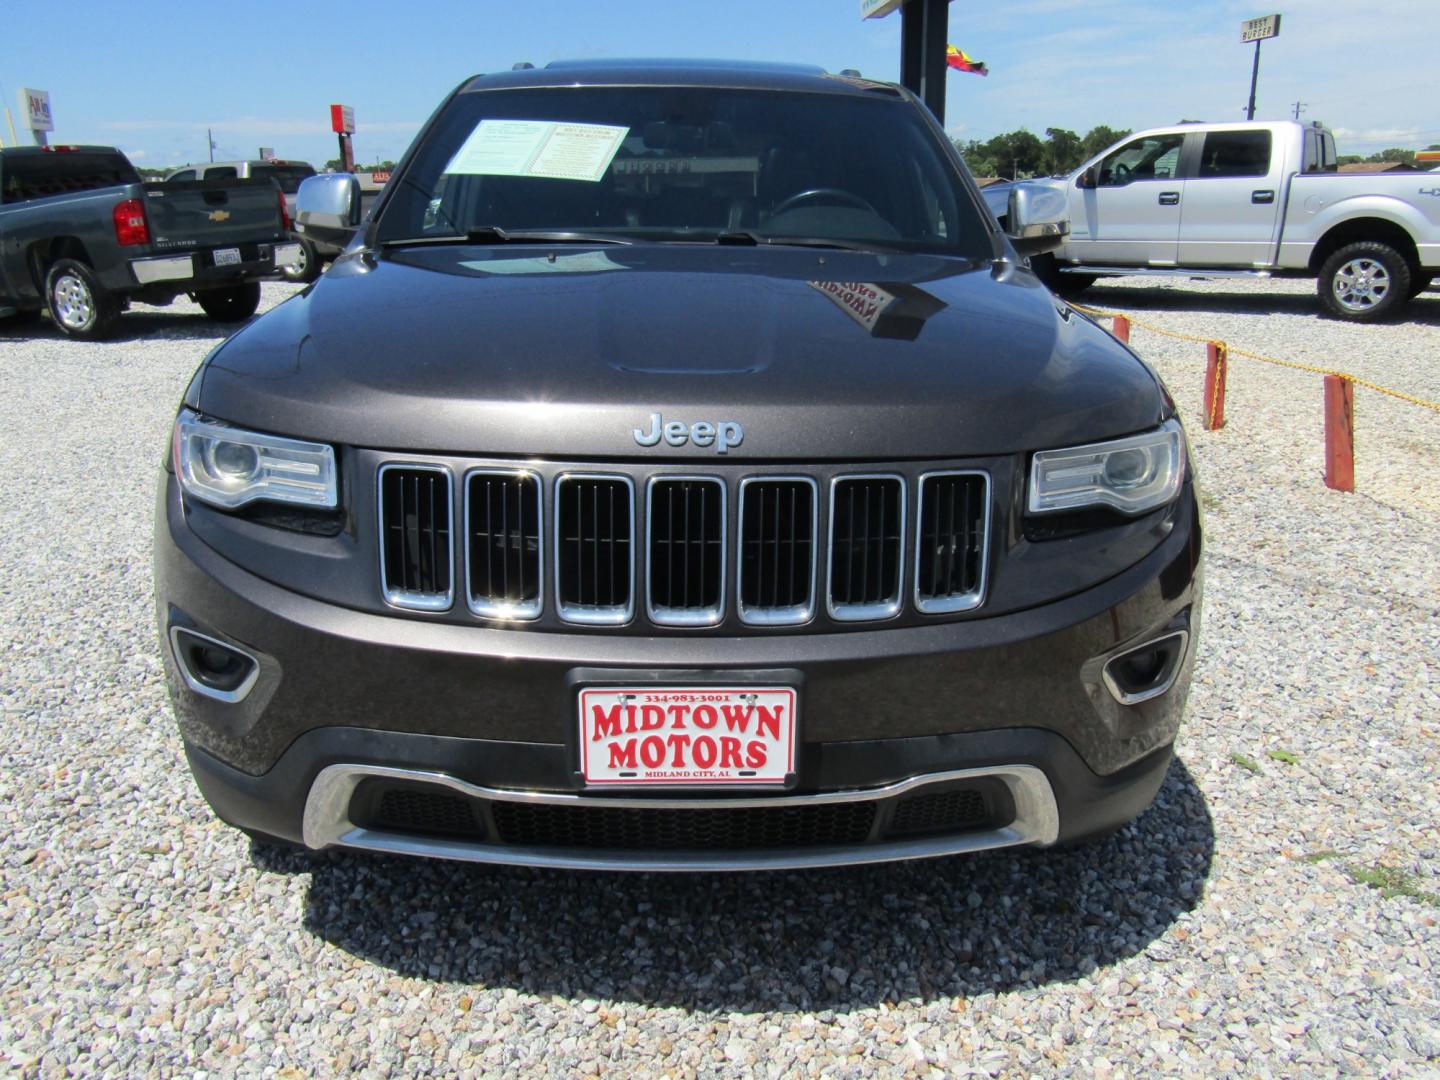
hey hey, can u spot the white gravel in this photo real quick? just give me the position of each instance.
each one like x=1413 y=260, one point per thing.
x=138 y=936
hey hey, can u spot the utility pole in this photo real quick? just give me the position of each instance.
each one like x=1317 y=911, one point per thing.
x=210 y=142
x=1299 y=108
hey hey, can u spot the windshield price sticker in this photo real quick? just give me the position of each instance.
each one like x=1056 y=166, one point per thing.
x=647 y=736
x=538 y=148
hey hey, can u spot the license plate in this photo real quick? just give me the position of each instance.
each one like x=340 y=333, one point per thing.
x=227 y=257
x=646 y=736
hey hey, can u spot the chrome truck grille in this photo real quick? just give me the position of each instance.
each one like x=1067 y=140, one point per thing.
x=684 y=551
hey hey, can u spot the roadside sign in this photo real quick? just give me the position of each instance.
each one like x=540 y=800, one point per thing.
x=36 y=104
x=342 y=119
x=1267 y=26
x=1429 y=157
x=878 y=9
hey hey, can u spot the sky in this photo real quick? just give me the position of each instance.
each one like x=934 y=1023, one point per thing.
x=151 y=79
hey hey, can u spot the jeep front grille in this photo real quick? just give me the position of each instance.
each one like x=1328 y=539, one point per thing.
x=417 y=555
x=867 y=530
x=954 y=516
x=503 y=534
x=777 y=550
x=550 y=544
x=685 y=527
x=594 y=529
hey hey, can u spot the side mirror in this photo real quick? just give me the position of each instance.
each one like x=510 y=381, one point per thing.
x=1038 y=218
x=1090 y=178
x=331 y=201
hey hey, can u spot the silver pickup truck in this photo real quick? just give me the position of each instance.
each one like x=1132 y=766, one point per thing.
x=1246 y=199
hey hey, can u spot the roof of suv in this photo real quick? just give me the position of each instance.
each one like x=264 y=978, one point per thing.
x=661 y=72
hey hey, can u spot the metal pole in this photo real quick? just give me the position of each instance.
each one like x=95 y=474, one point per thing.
x=923 y=30
x=210 y=142
x=1254 y=76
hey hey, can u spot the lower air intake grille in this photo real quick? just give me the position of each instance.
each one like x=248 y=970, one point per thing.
x=777 y=551
x=416 y=549
x=594 y=525
x=940 y=811
x=504 y=544
x=867 y=526
x=950 y=562
x=687 y=551
x=430 y=812
x=679 y=830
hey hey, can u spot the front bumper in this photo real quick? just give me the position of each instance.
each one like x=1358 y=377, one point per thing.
x=1013 y=707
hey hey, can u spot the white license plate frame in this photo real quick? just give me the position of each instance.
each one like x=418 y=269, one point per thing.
x=227 y=256
x=646 y=736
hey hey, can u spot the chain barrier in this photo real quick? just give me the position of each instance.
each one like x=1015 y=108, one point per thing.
x=1434 y=406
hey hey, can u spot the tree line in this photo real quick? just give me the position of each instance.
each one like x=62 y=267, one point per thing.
x=1018 y=154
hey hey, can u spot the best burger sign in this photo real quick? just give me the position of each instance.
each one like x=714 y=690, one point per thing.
x=704 y=735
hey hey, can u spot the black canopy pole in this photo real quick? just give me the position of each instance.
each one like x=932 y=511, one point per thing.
x=924 y=28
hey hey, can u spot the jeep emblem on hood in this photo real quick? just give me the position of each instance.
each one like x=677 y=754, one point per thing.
x=721 y=434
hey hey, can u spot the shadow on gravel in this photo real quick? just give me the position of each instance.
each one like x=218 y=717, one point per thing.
x=1424 y=309
x=131 y=326
x=811 y=940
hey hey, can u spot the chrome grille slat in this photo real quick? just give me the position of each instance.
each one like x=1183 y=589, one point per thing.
x=417 y=551
x=952 y=526
x=686 y=565
x=504 y=544
x=867 y=546
x=770 y=507
x=594 y=579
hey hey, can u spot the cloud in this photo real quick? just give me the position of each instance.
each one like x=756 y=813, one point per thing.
x=1371 y=135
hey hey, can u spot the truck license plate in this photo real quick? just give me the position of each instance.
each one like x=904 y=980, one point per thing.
x=646 y=736
x=227 y=257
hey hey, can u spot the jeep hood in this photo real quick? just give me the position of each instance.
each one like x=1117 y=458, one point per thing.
x=563 y=351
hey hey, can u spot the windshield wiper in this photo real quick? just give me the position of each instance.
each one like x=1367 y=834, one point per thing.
x=493 y=234
x=746 y=238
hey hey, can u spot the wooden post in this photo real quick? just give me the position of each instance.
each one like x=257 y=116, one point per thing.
x=1339 y=433
x=1215 y=356
x=1122 y=329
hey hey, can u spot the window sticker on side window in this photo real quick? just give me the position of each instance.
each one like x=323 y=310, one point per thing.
x=538 y=148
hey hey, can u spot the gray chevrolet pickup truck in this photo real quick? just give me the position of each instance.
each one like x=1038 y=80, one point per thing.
x=82 y=235
x=658 y=482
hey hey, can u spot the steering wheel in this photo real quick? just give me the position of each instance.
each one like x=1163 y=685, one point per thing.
x=823 y=193
x=1120 y=174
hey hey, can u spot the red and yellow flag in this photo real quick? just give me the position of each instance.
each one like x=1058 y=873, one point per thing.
x=960 y=61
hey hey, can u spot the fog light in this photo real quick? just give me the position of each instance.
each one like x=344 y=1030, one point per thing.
x=1147 y=670
x=212 y=667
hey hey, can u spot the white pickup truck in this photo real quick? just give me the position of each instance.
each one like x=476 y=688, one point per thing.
x=1246 y=199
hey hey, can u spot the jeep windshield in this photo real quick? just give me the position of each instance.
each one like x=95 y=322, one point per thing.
x=683 y=164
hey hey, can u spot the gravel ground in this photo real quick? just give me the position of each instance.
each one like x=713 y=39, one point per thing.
x=1230 y=931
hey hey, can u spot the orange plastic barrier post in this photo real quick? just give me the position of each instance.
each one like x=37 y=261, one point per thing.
x=1122 y=328
x=1215 y=366
x=1339 y=433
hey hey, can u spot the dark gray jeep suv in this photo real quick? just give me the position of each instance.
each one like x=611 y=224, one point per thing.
x=680 y=470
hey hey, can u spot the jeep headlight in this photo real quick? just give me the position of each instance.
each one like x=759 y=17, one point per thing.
x=1132 y=475
x=229 y=466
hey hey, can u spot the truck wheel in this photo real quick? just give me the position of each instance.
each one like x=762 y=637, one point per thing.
x=306 y=269
x=234 y=303
x=1364 y=282
x=1066 y=285
x=78 y=305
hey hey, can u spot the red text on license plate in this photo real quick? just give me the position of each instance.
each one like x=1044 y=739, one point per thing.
x=640 y=735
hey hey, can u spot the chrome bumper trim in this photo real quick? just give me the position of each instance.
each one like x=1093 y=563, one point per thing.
x=327 y=824
x=287 y=254
x=167 y=268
